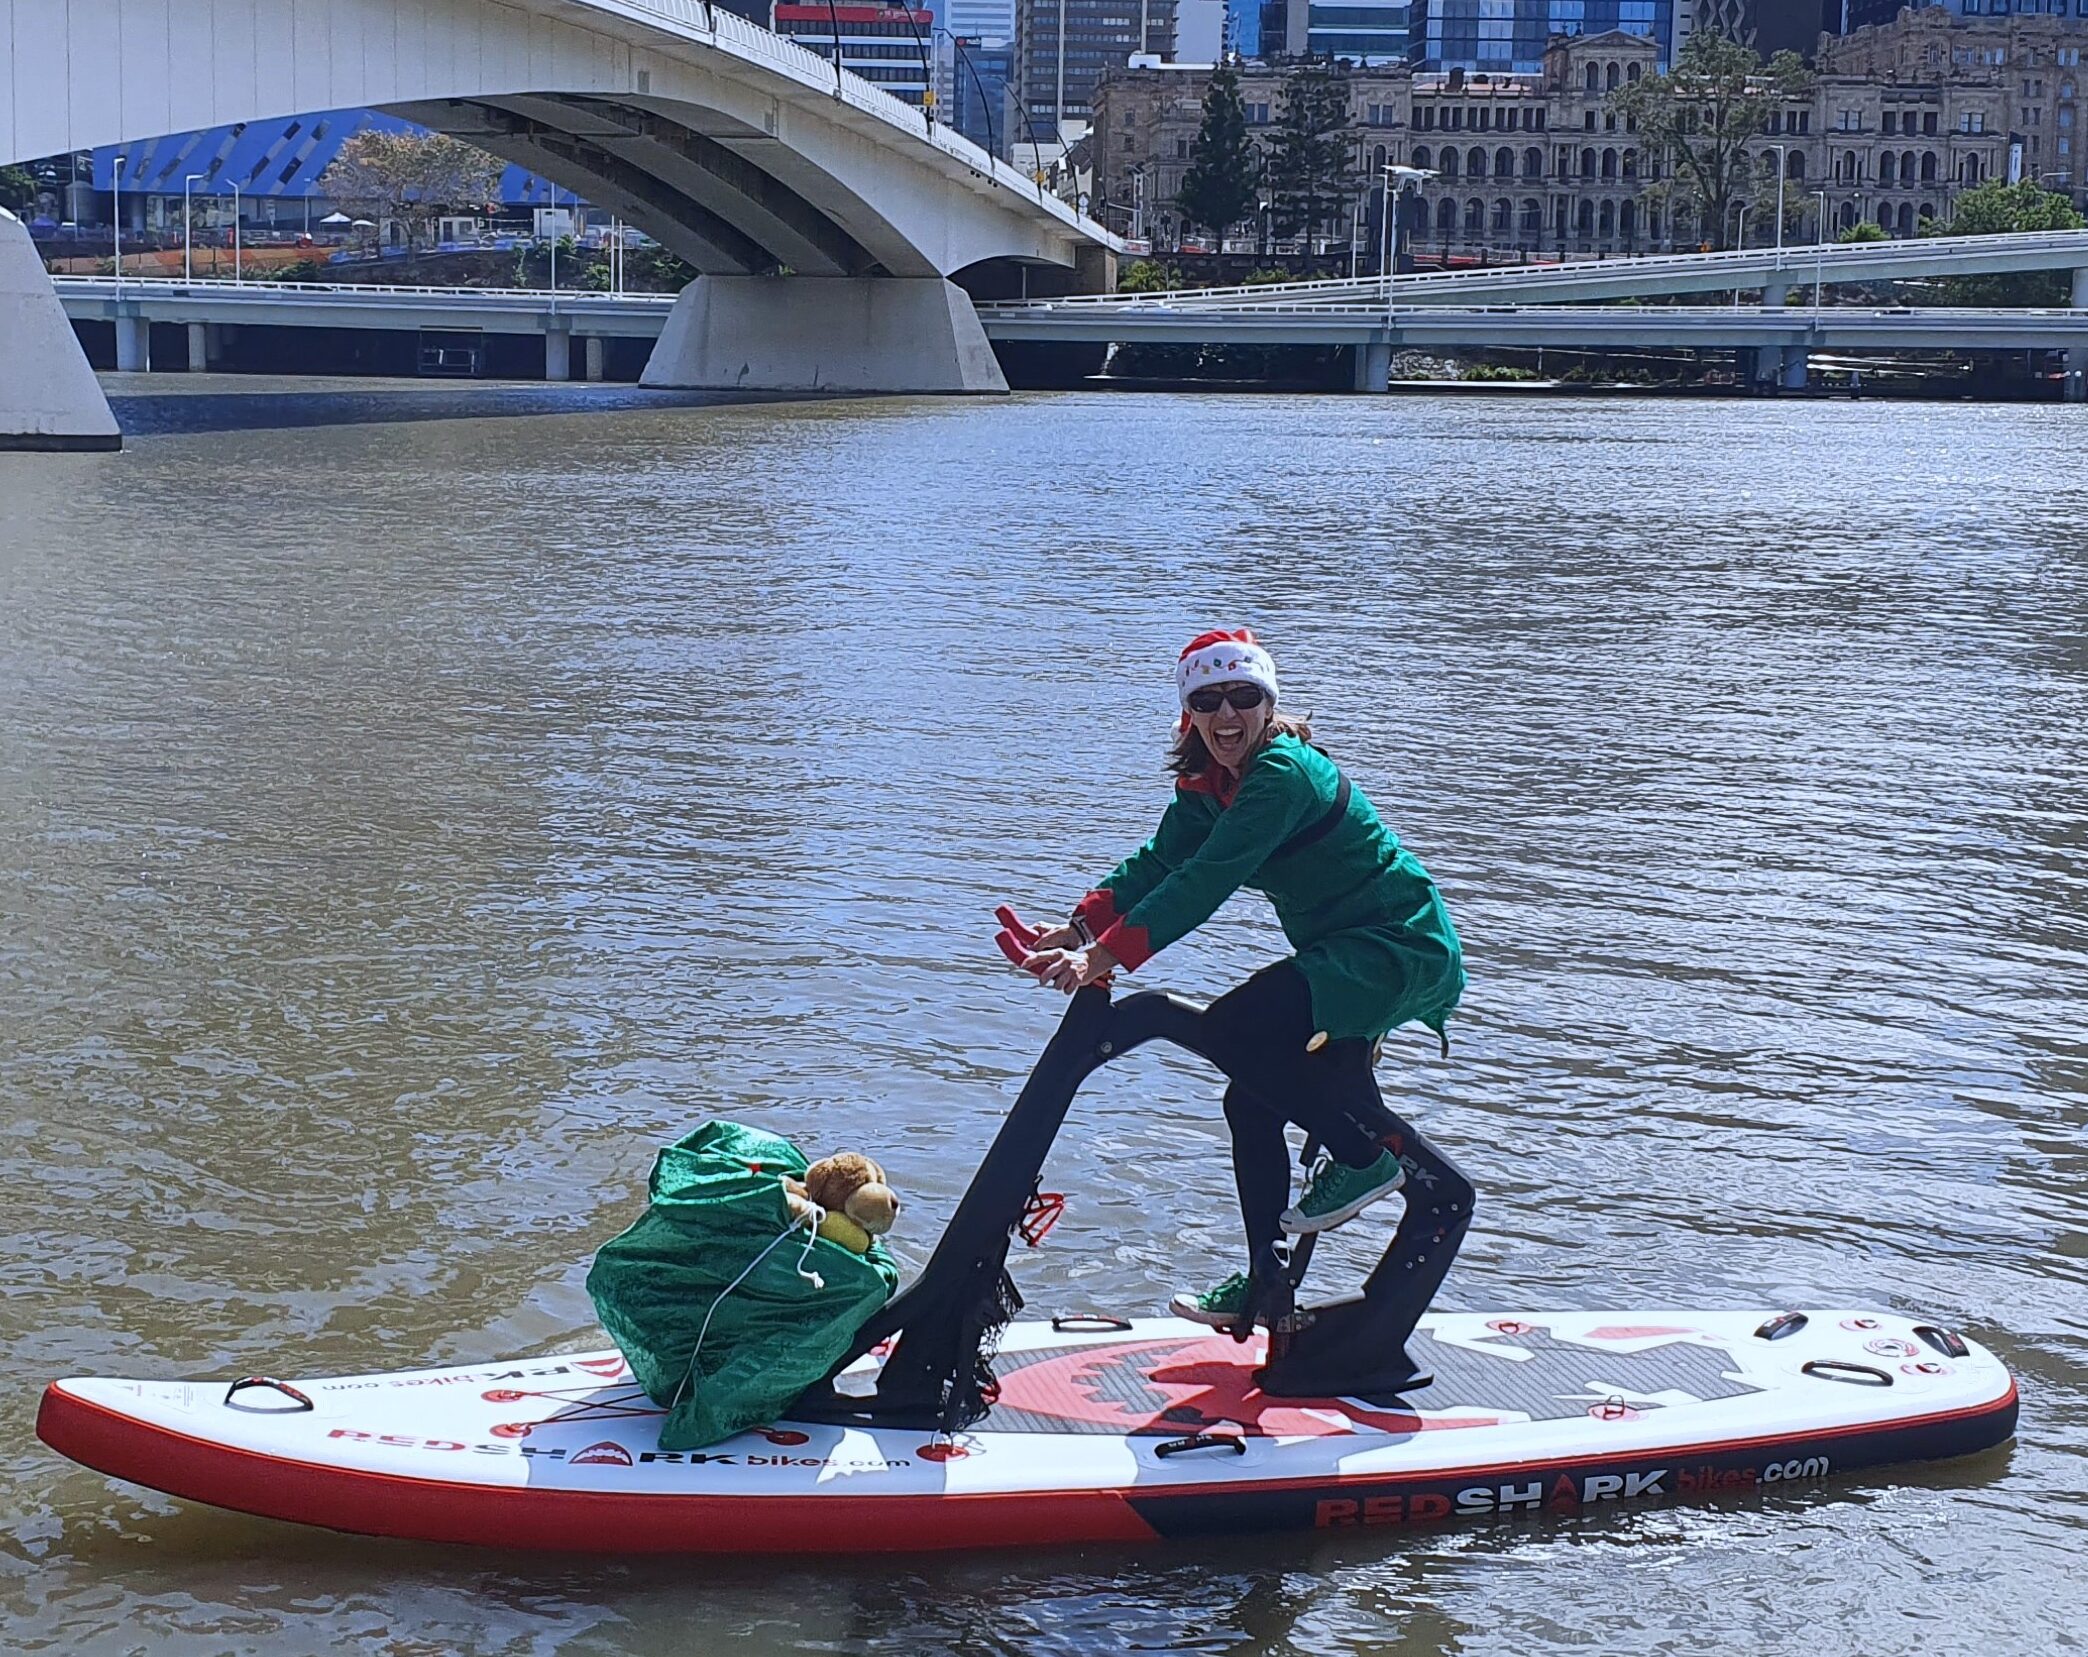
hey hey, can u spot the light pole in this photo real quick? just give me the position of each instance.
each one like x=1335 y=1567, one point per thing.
x=188 y=267
x=1403 y=177
x=238 y=274
x=116 y=222
x=1820 y=255
x=1783 y=157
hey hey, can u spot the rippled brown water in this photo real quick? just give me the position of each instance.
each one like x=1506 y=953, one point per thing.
x=407 y=821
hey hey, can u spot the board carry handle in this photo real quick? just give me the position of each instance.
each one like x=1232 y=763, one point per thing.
x=1201 y=1441
x=284 y=1387
x=1784 y=1323
x=1856 y=1375
x=1084 y=1323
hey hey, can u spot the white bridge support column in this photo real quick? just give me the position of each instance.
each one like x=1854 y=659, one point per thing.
x=1794 y=368
x=558 y=353
x=133 y=341
x=595 y=356
x=899 y=335
x=49 y=398
x=1373 y=367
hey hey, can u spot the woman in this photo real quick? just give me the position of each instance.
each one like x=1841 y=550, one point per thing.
x=1257 y=805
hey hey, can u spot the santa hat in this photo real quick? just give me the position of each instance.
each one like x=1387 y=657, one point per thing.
x=1224 y=659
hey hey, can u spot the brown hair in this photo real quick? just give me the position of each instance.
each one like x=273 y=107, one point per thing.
x=1190 y=758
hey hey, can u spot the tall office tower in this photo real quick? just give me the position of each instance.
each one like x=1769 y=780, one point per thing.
x=1509 y=35
x=980 y=102
x=981 y=20
x=1769 y=26
x=1363 y=31
x=1063 y=47
x=886 y=45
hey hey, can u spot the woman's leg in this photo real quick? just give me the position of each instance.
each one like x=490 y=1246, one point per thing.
x=1264 y=1027
x=1261 y=1171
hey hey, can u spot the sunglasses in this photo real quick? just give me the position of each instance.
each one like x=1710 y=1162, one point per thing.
x=1212 y=697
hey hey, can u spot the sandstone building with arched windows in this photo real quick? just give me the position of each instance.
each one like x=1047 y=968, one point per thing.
x=1901 y=118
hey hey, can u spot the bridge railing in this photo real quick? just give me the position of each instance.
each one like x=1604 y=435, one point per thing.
x=804 y=65
x=2062 y=248
x=268 y=288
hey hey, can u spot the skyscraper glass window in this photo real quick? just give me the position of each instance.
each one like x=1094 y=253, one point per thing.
x=1511 y=34
x=1363 y=31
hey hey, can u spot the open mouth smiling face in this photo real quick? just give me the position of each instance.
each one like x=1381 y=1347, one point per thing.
x=1230 y=719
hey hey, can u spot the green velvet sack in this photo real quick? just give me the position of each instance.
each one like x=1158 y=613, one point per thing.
x=707 y=1250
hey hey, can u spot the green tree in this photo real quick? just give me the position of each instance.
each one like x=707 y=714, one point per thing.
x=1997 y=209
x=17 y=189
x=1702 y=114
x=1865 y=231
x=1218 y=186
x=413 y=177
x=1146 y=276
x=1308 y=172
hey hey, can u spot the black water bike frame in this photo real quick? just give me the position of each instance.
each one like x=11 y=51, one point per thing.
x=936 y=1371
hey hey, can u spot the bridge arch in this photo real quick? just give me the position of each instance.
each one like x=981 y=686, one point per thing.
x=740 y=151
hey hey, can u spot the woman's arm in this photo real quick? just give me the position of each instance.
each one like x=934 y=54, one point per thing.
x=1276 y=799
x=1184 y=828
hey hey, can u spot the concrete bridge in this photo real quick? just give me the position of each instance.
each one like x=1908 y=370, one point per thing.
x=745 y=154
x=1778 y=339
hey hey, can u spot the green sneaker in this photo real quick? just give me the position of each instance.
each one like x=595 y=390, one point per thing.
x=1219 y=1308
x=1339 y=1192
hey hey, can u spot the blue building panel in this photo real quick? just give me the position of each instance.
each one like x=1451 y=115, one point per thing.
x=282 y=158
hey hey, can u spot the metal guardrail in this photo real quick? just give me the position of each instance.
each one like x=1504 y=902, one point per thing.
x=2038 y=250
x=131 y=287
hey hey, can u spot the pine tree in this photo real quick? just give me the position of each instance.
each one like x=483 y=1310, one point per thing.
x=1218 y=187
x=1309 y=164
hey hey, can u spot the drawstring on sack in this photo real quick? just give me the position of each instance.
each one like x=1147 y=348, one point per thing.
x=810 y=1220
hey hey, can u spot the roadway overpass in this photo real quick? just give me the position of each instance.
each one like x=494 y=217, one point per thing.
x=1586 y=281
x=1779 y=337
x=743 y=153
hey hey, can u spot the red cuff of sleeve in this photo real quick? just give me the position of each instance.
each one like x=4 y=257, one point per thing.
x=1131 y=945
x=1097 y=910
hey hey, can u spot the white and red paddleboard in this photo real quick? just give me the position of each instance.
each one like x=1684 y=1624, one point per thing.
x=1114 y=1434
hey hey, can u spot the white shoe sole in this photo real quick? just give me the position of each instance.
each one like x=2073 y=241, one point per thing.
x=1184 y=1306
x=1292 y=1222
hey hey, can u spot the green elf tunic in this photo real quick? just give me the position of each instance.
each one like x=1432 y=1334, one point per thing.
x=1369 y=927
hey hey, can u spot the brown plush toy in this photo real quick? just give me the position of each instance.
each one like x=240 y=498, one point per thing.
x=851 y=1190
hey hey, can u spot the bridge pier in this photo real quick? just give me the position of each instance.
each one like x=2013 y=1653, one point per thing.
x=896 y=335
x=49 y=398
x=133 y=342
x=558 y=353
x=596 y=356
x=1774 y=294
x=1794 y=368
x=1373 y=367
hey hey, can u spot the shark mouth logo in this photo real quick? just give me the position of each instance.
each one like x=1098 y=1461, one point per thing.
x=607 y=1368
x=604 y=1454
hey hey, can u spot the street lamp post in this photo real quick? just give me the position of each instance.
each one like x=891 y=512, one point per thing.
x=116 y=222
x=1783 y=157
x=188 y=266
x=238 y=271
x=1820 y=255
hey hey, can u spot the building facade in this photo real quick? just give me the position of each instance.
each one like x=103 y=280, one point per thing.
x=1510 y=36
x=1063 y=48
x=1900 y=120
x=888 y=46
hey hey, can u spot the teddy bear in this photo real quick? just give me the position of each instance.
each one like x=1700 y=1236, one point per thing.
x=850 y=1190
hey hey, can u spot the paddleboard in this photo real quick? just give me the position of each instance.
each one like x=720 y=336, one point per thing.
x=1103 y=1431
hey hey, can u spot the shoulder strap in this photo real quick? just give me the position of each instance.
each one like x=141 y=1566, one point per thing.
x=1323 y=825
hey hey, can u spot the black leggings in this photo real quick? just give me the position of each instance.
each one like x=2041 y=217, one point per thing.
x=1259 y=1032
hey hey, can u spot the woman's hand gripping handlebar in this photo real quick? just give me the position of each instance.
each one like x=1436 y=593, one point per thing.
x=1053 y=955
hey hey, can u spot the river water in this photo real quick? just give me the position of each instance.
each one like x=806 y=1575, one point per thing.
x=416 y=805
